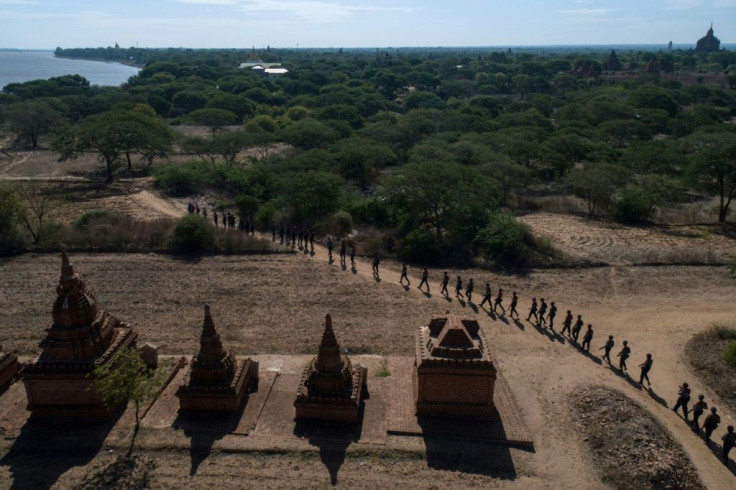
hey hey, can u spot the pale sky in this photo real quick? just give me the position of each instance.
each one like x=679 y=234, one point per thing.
x=39 y=24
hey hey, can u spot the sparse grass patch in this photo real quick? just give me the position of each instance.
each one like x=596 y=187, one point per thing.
x=712 y=354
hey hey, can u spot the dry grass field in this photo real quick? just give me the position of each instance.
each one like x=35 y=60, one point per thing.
x=276 y=304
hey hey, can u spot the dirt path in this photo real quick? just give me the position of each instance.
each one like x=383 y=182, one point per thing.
x=544 y=368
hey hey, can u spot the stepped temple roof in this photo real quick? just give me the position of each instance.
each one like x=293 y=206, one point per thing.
x=216 y=381
x=330 y=388
x=81 y=338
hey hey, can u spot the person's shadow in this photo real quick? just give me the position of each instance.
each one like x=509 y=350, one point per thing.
x=656 y=397
x=48 y=448
x=589 y=355
x=332 y=438
x=204 y=428
x=518 y=324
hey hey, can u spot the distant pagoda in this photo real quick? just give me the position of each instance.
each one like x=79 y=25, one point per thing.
x=708 y=43
x=330 y=388
x=81 y=338
x=216 y=381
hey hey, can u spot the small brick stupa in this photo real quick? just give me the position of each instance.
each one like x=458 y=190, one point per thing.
x=454 y=374
x=216 y=380
x=81 y=338
x=8 y=368
x=330 y=388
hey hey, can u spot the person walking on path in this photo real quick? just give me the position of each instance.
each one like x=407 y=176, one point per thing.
x=514 y=302
x=622 y=356
x=646 y=366
x=273 y=232
x=587 y=338
x=487 y=296
x=376 y=261
x=459 y=288
x=330 y=246
x=497 y=302
x=533 y=311
x=425 y=279
x=683 y=398
x=214 y=217
x=711 y=423
x=311 y=240
x=352 y=256
x=469 y=290
x=281 y=233
x=608 y=347
x=542 y=311
x=445 y=282
x=698 y=410
x=729 y=440
x=343 y=251
x=567 y=324
x=552 y=314
x=577 y=327
x=404 y=275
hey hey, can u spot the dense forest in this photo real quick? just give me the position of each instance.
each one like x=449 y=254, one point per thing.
x=435 y=149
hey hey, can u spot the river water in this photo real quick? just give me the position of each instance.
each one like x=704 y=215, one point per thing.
x=22 y=66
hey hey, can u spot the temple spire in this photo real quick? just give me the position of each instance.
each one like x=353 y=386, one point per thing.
x=328 y=357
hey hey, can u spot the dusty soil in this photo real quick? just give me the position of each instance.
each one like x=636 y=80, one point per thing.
x=703 y=353
x=276 y=304
x=615 y=244
x=630 y=448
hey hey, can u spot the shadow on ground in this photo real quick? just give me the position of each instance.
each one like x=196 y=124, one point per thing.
x=332 y=439
x=46 y=449
x=204 y=429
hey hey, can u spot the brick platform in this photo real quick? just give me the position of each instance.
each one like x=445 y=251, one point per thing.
x=507 y=428
x=388 y=409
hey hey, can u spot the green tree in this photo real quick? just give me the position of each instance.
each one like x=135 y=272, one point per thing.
x=215 y=119
x=32 y=119
x=311 y=195
x=713 y=167
x=127 y=379
x=12 y=212
x=441 y=194
x=308 y=133
x=115 y=134
x=597 y=183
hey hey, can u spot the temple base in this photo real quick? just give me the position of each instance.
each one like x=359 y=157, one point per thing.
x=8 y=369
x=231 y=398
x=325 y=407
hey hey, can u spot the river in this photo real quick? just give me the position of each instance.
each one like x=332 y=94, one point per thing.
x=22 y=66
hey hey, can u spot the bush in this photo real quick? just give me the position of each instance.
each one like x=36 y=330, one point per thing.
x=730 y=355
x=343 y=222
x=504 y=239
x=97 y=217
x=632 y=206
x=193 y=235
x=419 y=246
x=184 y=179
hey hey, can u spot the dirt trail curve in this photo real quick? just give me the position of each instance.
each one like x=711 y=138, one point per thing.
x=560 y=366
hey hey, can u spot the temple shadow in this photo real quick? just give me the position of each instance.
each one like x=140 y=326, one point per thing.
x=482 y=457
x=657 y=398
x=204 y=429
x=331 y=438
x=48 y=448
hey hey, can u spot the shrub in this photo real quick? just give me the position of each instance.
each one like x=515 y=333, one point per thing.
x=632 y=206
x=184 y=179
x=503 y=239
x=419 y=246
x=343 y=222
x=730 y=355
x=723 y=333
x=193 y=235
x=97 y=217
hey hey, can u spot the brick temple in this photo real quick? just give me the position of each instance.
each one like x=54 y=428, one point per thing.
x=8 y=368
x=330 y=387
x=81 y=338
x=216 y=381
x=454 y=374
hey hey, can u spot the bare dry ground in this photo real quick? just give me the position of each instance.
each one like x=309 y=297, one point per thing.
x=615 y=244
x=276 y=304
